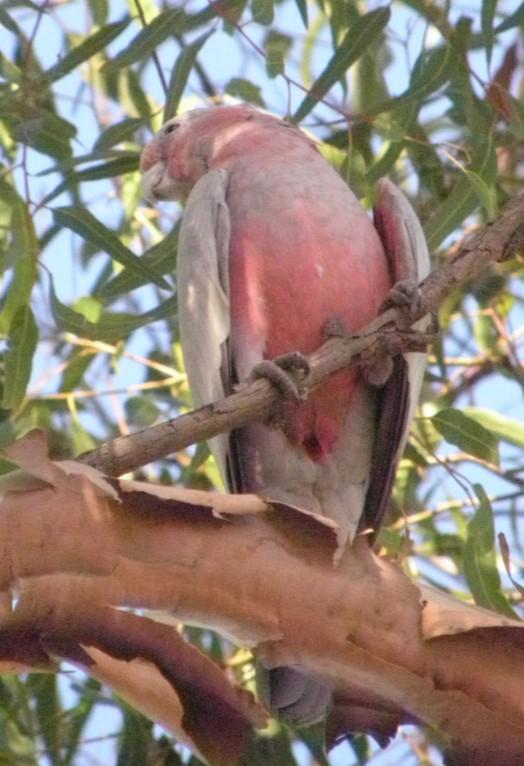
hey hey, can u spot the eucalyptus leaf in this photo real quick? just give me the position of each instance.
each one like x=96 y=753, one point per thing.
x=87 y=49
x=480 y=563
x=149 y=38
x=180 y=74
x=361 y=34
x=467 y=434
x=110 y=327
x=18 y=359
x=84 y=223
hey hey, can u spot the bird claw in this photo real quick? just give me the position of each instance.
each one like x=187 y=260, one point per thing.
x=334 y=328
x=377 y=366
x=287 y=373
x=404 y=295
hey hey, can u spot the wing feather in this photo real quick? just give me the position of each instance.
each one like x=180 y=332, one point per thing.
x=203 y=294
x=407 y=253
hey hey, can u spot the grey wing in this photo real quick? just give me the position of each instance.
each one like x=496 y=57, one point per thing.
x=203 y=296
x=408 y=257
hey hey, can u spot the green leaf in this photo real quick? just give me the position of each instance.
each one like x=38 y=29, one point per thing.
x=430 y=72
x=463 y=198
x=141 y=411
x=480 y=564
x=486 y=195
x=77 y=365
x=360 y=35
x=263 y=11
x=100 y=11
x=180 y=74
x=10 y=71
x=23 y=252
x=245 y=91
x=45 y=132
x=84 y=223
x=9 y=23
x=515 y=20
x=77 y=719
x=48 y=712
x=110 y=327
x=127 y=163
x=88 y=48
x=487 y=16
x=302 y=9
x=115 y=134
x=277 y=46
x=507 y=429
x=135 y=738
x=161 y=257
x=148 y=39
x=18 y=359
x=466 y=434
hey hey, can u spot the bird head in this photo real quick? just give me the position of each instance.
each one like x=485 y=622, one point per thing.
x=189 y=145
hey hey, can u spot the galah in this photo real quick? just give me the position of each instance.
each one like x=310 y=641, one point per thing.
x=275 y=249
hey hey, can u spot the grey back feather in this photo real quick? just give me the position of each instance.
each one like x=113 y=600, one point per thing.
x=203 y=295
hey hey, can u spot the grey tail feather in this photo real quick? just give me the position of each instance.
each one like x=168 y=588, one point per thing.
x=295 y=698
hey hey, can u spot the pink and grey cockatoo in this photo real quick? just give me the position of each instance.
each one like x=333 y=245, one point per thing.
x=274 y=247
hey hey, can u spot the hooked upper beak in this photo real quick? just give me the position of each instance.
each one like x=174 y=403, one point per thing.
x=152 y=181
x=158 y=185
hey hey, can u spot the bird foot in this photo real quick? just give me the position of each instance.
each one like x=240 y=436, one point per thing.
x=334 y=328
x=404 y=295
x=287 y=372
x=377 y=365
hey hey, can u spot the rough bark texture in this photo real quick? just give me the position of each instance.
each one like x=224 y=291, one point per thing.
x=393 y=652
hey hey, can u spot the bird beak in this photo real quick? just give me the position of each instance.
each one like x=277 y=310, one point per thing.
x=157 y=184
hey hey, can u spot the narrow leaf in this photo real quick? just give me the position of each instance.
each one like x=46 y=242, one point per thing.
x=463 y=199
x=180 y=74
x=480 y=564
x=148 y=39
x=263 y=11
x=466 y=434
x=115 y=134
x=88 y=48
x=23 y=252
x=487 y=16
x=18 y=359
x=84 y=223
x=161 y=257
x=302 y=9
x=8 y=22
x=515 y=20
x=245 y=90
x=127 y=163
x=48 y=713
x=430 y=72
x=277 y=46
x=46 y=132
x=507 y=429
x=486 y=195
x=110 y=327
x=359 y=37
x=77 y=719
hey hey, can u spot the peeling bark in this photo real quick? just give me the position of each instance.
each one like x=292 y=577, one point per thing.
x=392 y=652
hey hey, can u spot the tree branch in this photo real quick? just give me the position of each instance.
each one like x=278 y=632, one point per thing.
x=255 y=402
x=392 y=651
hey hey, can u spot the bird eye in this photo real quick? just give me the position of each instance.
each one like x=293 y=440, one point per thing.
x=170 y=128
